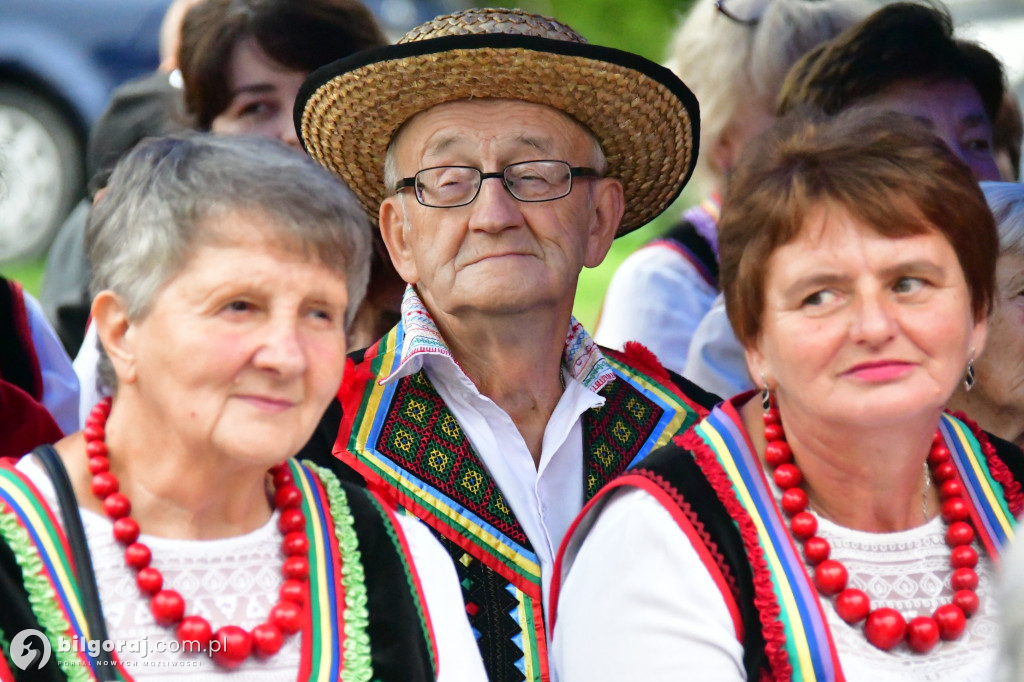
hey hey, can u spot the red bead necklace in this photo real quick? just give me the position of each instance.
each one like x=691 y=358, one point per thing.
x=885 y=628
x=230 y=645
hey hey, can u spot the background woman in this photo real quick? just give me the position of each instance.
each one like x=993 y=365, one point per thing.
x=997 y=401
x=839 y=520
x=734 y=55
x=242 y=62
x=225 y=272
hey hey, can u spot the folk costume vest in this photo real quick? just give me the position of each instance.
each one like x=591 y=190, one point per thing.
x=365 y=618
x=713 y=486
x=401 y=436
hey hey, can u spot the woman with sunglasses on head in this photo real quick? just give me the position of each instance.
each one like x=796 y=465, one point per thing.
x=837 y=523
x=734 y=55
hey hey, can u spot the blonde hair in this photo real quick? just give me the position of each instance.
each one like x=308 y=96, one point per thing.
x=731 y=65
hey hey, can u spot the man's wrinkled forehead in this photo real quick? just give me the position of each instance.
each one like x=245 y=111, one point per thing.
x=548 y=128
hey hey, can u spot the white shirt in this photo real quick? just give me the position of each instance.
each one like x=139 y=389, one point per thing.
x=637 y=586
x=717 y=361
x=658 y=297
x=544 y=497
x=236 y=580
x=86 y=366
x=60 y=384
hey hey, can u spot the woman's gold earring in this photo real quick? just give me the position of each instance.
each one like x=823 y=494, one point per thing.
x=766 y=395
x=969 y=376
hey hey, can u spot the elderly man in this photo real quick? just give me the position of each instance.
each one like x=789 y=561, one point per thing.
x=502 y=154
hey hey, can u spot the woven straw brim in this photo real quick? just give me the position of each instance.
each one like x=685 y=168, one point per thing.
x=644 y=117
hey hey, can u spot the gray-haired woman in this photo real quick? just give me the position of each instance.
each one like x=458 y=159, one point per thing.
x=997 y=399
x=225 y=271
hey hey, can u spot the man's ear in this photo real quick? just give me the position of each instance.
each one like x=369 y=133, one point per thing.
x=116 y=333
x=608 y=207
x=394 y=229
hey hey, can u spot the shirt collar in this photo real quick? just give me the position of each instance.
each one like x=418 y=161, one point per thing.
x=581 y=359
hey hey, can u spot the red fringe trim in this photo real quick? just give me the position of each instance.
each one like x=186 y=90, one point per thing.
x=1000 y=472
x=765 y=601
x=640 y=356
x=698 y=526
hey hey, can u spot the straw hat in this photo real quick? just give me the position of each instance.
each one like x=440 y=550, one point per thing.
x=644 y=117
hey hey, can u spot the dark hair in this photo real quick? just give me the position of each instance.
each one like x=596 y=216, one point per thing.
x=886 y=170
x=902 y=41
x=300 y=35
x=1008 y=131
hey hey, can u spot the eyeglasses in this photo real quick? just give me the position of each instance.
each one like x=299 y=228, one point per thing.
x=751 y=20
x=529 y=181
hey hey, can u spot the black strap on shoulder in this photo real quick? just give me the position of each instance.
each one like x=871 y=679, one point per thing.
x=685 y=234
x=75 y=533
x=705 y=399
x=401 y=652
x=677 y=467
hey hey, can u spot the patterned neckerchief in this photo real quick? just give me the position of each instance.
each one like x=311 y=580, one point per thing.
x=581 y=359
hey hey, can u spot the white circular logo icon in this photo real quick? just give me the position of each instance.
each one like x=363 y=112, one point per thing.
x=26 y=653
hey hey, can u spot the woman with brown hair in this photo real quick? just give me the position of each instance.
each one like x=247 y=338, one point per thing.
x=836 y=524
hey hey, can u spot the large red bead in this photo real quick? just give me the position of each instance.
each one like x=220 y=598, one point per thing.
x=787 y=476
x=295 y=568
x=194 y=633
x=167 y=606
x=291 y=520
x=774 y=432
x=938 y=454
x=944 y=472
x=922 y=634
x=126 y=530
x=283 y=476
x=964 y=579
x=794 y=501
x=803 y=525
x=98 y=465
x=955 y=509
x=963 y=556
x=816 y=549
x=777 y=452
x=293 y=590
x=117 y=505
x=830 y=577
x=230 y=646
x=959 y=533
x=968 y=602
x=771 y=416
x=137 y=555
x=951 y=621
x=885 y=628
x=287 y=615
x=852 y=605
x=267 y=639
x=951 y=488
x=93 y=431
x=149 y=580
x=287 y=496
x=104 y=483
x=295 y=544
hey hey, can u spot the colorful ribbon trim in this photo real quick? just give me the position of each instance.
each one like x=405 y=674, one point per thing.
x=808 y=642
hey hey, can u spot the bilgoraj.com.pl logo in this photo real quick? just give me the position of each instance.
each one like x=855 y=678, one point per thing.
x=30 y=649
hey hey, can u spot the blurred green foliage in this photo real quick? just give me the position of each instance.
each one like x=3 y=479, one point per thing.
x=640 y=26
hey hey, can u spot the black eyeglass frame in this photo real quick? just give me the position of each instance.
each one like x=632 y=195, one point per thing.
x=574 y=172
x=720 y=6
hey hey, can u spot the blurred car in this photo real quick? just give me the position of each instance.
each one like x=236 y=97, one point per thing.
x=59 y=61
